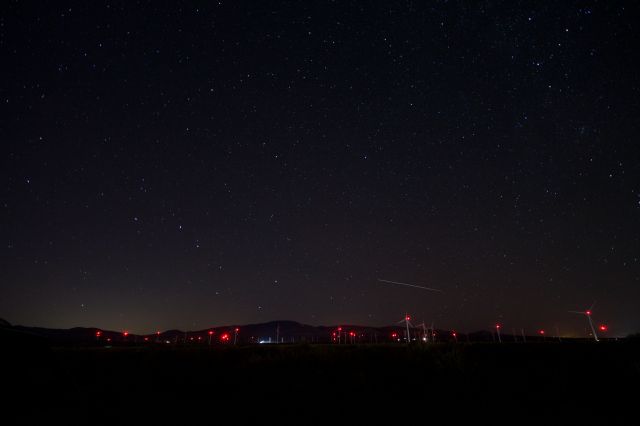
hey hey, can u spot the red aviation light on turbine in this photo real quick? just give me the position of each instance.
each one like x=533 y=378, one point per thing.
x=339 y=328
x=453 y=334
x=157 y=333
x=498 y=326
x=237 y=329
x=588 y=312
x=603 y=327
x=541 y=332
x=408 y=318
x=210 y=333
x=98 y=333
x=125 y=333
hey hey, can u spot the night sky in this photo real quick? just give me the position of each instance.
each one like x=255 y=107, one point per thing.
x=185 y=165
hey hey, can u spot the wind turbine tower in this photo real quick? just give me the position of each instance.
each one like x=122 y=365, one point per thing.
x=407 y=322
x=587 y=313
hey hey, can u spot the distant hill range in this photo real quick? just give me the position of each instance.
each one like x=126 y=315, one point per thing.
x=265 y=333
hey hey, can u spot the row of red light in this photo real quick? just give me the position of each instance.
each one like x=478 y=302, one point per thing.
x=602 y=327
x=339 y=331
x=224 y=337
x=394 y=335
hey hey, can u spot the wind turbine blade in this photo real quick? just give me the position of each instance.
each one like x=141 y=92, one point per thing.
x=576 y=312
x=592 y=305
x=410 y=285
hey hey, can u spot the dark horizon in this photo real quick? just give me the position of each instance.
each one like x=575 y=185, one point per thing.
x=550 y=332
x=181 y=165
x=291 y=328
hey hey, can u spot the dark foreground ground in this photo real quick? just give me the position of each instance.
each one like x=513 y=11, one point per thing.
x=502 y=383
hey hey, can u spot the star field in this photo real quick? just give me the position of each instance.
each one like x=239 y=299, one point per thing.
x=196 y=164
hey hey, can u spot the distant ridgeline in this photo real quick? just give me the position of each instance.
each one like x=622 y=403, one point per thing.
x=283 y=332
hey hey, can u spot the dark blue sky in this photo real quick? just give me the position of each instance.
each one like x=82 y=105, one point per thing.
x=188 y=164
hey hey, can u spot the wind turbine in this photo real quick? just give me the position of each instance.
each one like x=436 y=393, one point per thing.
x=498 y=331
x=425 y=336
x=587 y=313
x=407 y=318
x=407 y=322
